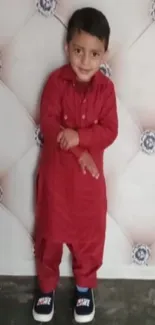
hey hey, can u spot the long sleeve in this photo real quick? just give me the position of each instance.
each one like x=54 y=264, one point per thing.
x=103 y=134
x=77 y=151
x=50 y=110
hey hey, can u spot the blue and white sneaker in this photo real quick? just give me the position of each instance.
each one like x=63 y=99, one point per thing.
x=43 y=309
x=84 y=310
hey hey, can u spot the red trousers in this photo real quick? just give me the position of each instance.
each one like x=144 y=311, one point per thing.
x=86 y=260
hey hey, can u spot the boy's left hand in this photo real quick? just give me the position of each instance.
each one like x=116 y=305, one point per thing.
x=68 y=138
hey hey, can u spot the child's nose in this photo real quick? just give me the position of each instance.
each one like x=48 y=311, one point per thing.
x=85 y=59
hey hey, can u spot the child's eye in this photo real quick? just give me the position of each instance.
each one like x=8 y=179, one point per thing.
x=77 y=51
x=95 y=54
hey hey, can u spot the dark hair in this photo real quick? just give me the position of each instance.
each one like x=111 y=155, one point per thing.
x=89 y=20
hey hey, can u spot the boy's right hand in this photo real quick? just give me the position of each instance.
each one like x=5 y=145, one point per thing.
x=87 y=164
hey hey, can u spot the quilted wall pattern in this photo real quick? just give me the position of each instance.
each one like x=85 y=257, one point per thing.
x=31 y=45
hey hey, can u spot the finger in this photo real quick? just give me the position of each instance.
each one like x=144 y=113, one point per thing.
x=63 y=146
x=63 y=143
x=83 y=167
x=90 y=169
x=70 y=145
x=66 y=144
x=59 y=137
x=94 y=172
x=67 y=147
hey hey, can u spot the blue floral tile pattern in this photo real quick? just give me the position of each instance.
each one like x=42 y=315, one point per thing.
x=141 y=254
x=105 y=68
x=147 y=142
x=46 y=7
x=39 y=137
x=152 y=9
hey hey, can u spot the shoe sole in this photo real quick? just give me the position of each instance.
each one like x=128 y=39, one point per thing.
x=43 y=318
x=84 y=319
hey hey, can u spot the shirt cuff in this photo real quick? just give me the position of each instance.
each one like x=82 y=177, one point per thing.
x=85 y=137
x=77 y=151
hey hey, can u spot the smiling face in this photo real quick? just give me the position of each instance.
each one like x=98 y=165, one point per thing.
x=86 y=53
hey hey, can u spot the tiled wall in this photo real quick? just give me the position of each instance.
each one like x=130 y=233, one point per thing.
x=31 y=45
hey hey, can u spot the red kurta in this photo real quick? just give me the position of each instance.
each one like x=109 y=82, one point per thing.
x=71 y=206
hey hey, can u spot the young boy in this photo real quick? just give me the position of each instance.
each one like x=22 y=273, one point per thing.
x=78 y=120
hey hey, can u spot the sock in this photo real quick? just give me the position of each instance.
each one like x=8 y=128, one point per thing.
x=81 y=289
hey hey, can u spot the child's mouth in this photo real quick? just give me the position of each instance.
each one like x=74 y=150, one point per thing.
x=84 y=71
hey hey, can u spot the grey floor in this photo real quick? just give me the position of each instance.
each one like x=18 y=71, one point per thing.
x=117 y=302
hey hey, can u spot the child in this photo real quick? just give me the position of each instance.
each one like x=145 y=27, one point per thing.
x=78 y=120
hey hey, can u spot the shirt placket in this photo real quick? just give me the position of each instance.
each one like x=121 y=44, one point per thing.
x=84 y=102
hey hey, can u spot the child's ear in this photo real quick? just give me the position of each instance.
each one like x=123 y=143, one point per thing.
x=66 y=49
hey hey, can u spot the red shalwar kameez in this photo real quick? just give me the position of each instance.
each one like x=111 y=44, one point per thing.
x=71 y=207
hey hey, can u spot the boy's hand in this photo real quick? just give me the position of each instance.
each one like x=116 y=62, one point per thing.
x=68 y=138
x=87 y=163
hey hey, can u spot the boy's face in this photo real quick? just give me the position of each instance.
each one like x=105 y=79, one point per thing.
x=86 y=53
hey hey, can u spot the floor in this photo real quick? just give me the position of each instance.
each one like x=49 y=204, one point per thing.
x=122 y=302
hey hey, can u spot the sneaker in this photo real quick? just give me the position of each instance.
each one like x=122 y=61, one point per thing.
x=43 y=309
x=84 y=310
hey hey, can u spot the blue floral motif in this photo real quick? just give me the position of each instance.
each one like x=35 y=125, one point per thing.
x=147 y=142
x=105 y=68
x=46 y=7
x=141 y=254
x=152 y=9
x=39 y=137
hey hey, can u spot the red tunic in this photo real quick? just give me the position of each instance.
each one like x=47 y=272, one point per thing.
x=72 y=206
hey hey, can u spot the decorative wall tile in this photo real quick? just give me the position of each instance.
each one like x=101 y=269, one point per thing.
x=147 y=142
x=39 y=137
x=152 y=10
x=46 y=7
x=141 y=254
x=105 y=68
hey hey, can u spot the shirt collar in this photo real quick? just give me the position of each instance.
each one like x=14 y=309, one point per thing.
x=68 y=74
